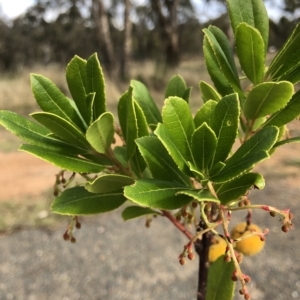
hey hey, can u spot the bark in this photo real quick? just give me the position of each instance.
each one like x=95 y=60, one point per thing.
x=127 y=42
x=104 y=38
x=169 y=27
x=202 y=249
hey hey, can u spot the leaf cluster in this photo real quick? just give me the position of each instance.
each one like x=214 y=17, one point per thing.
x=167 y=159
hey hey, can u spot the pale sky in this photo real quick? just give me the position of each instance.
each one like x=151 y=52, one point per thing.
x=13 y=8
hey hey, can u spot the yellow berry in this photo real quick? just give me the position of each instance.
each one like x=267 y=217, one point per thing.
x=217 y=248
x=248 y=246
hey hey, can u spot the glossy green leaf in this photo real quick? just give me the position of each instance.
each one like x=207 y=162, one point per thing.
x=197 y=174
x=165 y=137
x=132 y=212
x=208 y=92
x=108 y=183
x=205 y=113
x=156 y=194
x=128 y=121
x=204 y=142
x=34 y=133
x=289 y=113
x=63 y=160
x=90 y=100
x=101 y=133
x=121 y=155
x=248 y=155
x=251 y=12
x=146 y=102
x=216 y=168
x=141 y=120
x=79 y=201
x=138 y=163
x=96 y=84
x=77 y=83
x=199 y=195
x=267 y=98
x=224 y=55
x=159 y=162
x=218 y=78
x=258 y=123
x=286 y=64
x=236 y=188
x=220 y=286
x=61 y=128
x=250 y=49
x=175 y=87
x=52 y=100
x=287 y=141
x=178 y=120
x=225 y=125
x=187 y=94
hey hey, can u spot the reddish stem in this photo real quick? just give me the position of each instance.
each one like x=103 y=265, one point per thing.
x=187 y=233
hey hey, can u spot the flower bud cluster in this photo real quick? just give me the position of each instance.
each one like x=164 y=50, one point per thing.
x=68 y=235
x=187 y=252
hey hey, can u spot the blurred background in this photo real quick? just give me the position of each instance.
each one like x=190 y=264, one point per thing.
x=148 y=40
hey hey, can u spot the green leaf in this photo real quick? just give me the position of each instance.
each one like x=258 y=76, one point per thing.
x=199 y=195
x=61 y=128
x=248 y=155
x=205 y=113
x=78 y=201
x=286 y=64
x=204 y=142
x=156 y=194
x=289 y=113
x=267 y=98
x=96 y=84
x=225 y=125
x=250 y=50
x=251 y=12
x=159 y=162
x=178 y=120
x=63 y=160
x=216 y=168
x=132 y=212
x=52 y=100
x=218 y=78
x=101 y=133
x=90 y=100
x=121 y=155
x=108 y=183
x=165 y=137
x=77 y=83
x=236 y=188
x=142 y=125
x=223 y=53
x=175 y=87
x=34 y=133
x=137 y=161
x=128 y=121
x=187 y=94
x=197 y=174
x=219 y=284
x=208 y=92
x=144 y=99
x=287 y=141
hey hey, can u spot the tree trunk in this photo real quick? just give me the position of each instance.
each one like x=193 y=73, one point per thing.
x=169 y=26
x=127 y=42
x=103 y=37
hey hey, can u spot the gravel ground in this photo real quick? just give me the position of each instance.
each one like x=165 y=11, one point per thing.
x=116 y=260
